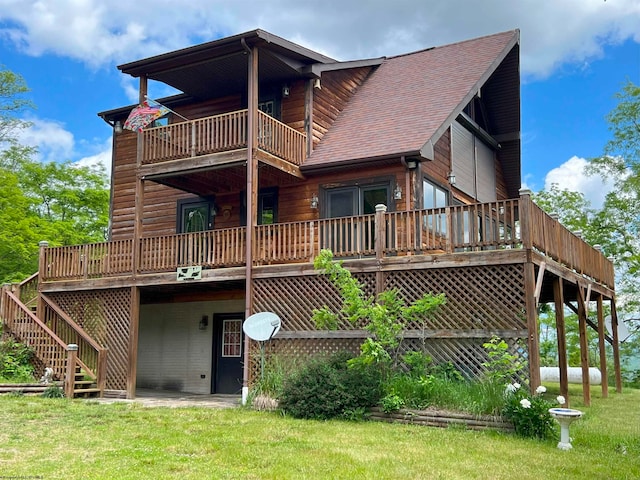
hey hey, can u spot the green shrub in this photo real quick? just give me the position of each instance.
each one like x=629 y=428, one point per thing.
x=528 y=413
x=53 y=391
x=15 y=362
x=328 y=388
x=391 y=403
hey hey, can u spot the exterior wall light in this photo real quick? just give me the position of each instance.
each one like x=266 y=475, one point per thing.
x=397 y=193
x=204 y=322
x=314 y=201
x=285 y=91
x=452 y=178
x=117 y=127
x=412 y=164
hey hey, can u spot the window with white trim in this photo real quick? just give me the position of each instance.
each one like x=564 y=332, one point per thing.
x=232 y=338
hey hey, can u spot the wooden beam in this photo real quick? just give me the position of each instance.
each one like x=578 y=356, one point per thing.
x=132 y=356
x=280 y=164
x=584 y=347
x=601 y=349
x=252 y=199
x=587 y=298
x=203 y=163
x=539 y=280
x=563 y=362
x=419 y=334
x=531 y=313
x=616 y=345
x=308 y=115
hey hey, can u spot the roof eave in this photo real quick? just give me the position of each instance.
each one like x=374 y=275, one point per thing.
x=223 y=46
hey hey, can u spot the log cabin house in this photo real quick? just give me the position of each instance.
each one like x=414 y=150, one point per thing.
x=406 y=167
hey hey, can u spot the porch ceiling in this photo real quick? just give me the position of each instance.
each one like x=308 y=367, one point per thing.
x=189 y=291
x=219 y=68
x=225 y=180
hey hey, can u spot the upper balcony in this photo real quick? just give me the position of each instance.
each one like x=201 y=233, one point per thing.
x=496 y=226
x=227 y=132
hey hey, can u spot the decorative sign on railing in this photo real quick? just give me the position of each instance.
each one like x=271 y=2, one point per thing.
x=189 y=273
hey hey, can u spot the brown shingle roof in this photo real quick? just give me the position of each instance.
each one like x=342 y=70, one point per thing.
x=410 y=99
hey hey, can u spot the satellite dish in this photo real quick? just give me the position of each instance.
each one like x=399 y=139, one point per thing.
x=623 y=331
x=261 y=326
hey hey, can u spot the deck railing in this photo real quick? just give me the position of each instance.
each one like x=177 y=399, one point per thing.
x=220 y=133
x=280 y=140
x=209 y=249
x=506 y=224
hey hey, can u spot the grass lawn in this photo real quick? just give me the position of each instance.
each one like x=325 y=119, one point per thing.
x=49 y=438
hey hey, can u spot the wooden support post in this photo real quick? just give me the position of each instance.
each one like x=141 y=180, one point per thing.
x=539 y=281
x=601 y=349
x=532 y=325
x=558 y=297
x=70 y=373
x=308 y=115
x=616 y=345
x=380 y=243
x=525 y=219
x=42 y=273
x=132 y=357
x=584 y=347
x=252 y=201
x=139 y=187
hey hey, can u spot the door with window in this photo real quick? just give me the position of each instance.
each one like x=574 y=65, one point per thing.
x=228 y=345
x=194 y=216
x=349 y=232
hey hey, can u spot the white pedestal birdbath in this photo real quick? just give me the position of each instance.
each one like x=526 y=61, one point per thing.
x=564 y=416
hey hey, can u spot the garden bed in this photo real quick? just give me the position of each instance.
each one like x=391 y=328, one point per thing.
x=433 y=417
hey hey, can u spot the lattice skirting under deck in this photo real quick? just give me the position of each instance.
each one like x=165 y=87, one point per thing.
x=481 y=301
x=105 y=315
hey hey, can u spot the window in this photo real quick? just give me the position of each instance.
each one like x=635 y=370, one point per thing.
x=355 y=200
x=231 y=338
x=195 y=216
x=434 y=197
x=267 y=206
x=351 y=237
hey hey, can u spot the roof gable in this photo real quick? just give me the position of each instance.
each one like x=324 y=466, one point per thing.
x=410 y=100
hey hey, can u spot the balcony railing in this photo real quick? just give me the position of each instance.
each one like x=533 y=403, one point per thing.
x=507 y=224
x=221 y=133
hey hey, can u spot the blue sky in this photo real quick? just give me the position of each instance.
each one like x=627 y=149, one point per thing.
x=575 y=55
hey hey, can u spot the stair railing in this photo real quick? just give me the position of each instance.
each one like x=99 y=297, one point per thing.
x=50 y=349
x=91 y=356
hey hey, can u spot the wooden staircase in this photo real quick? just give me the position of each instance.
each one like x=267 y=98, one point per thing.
x=83 y=385
x=57 y=341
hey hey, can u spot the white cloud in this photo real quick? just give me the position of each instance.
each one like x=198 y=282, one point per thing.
x=571 y=175
x=54 y=143
x=101 y=158
x=98 y=34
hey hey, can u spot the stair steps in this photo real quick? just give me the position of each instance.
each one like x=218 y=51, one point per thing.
x=82 y=387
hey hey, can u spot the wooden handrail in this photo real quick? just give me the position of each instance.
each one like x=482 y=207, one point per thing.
x=48 y=344
x=28 y=289
x=281 y=140
x=30 y=330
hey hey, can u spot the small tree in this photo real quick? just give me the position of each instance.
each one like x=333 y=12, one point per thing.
x=385 y=317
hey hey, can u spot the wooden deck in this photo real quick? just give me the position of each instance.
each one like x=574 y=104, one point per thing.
x=504 y=225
